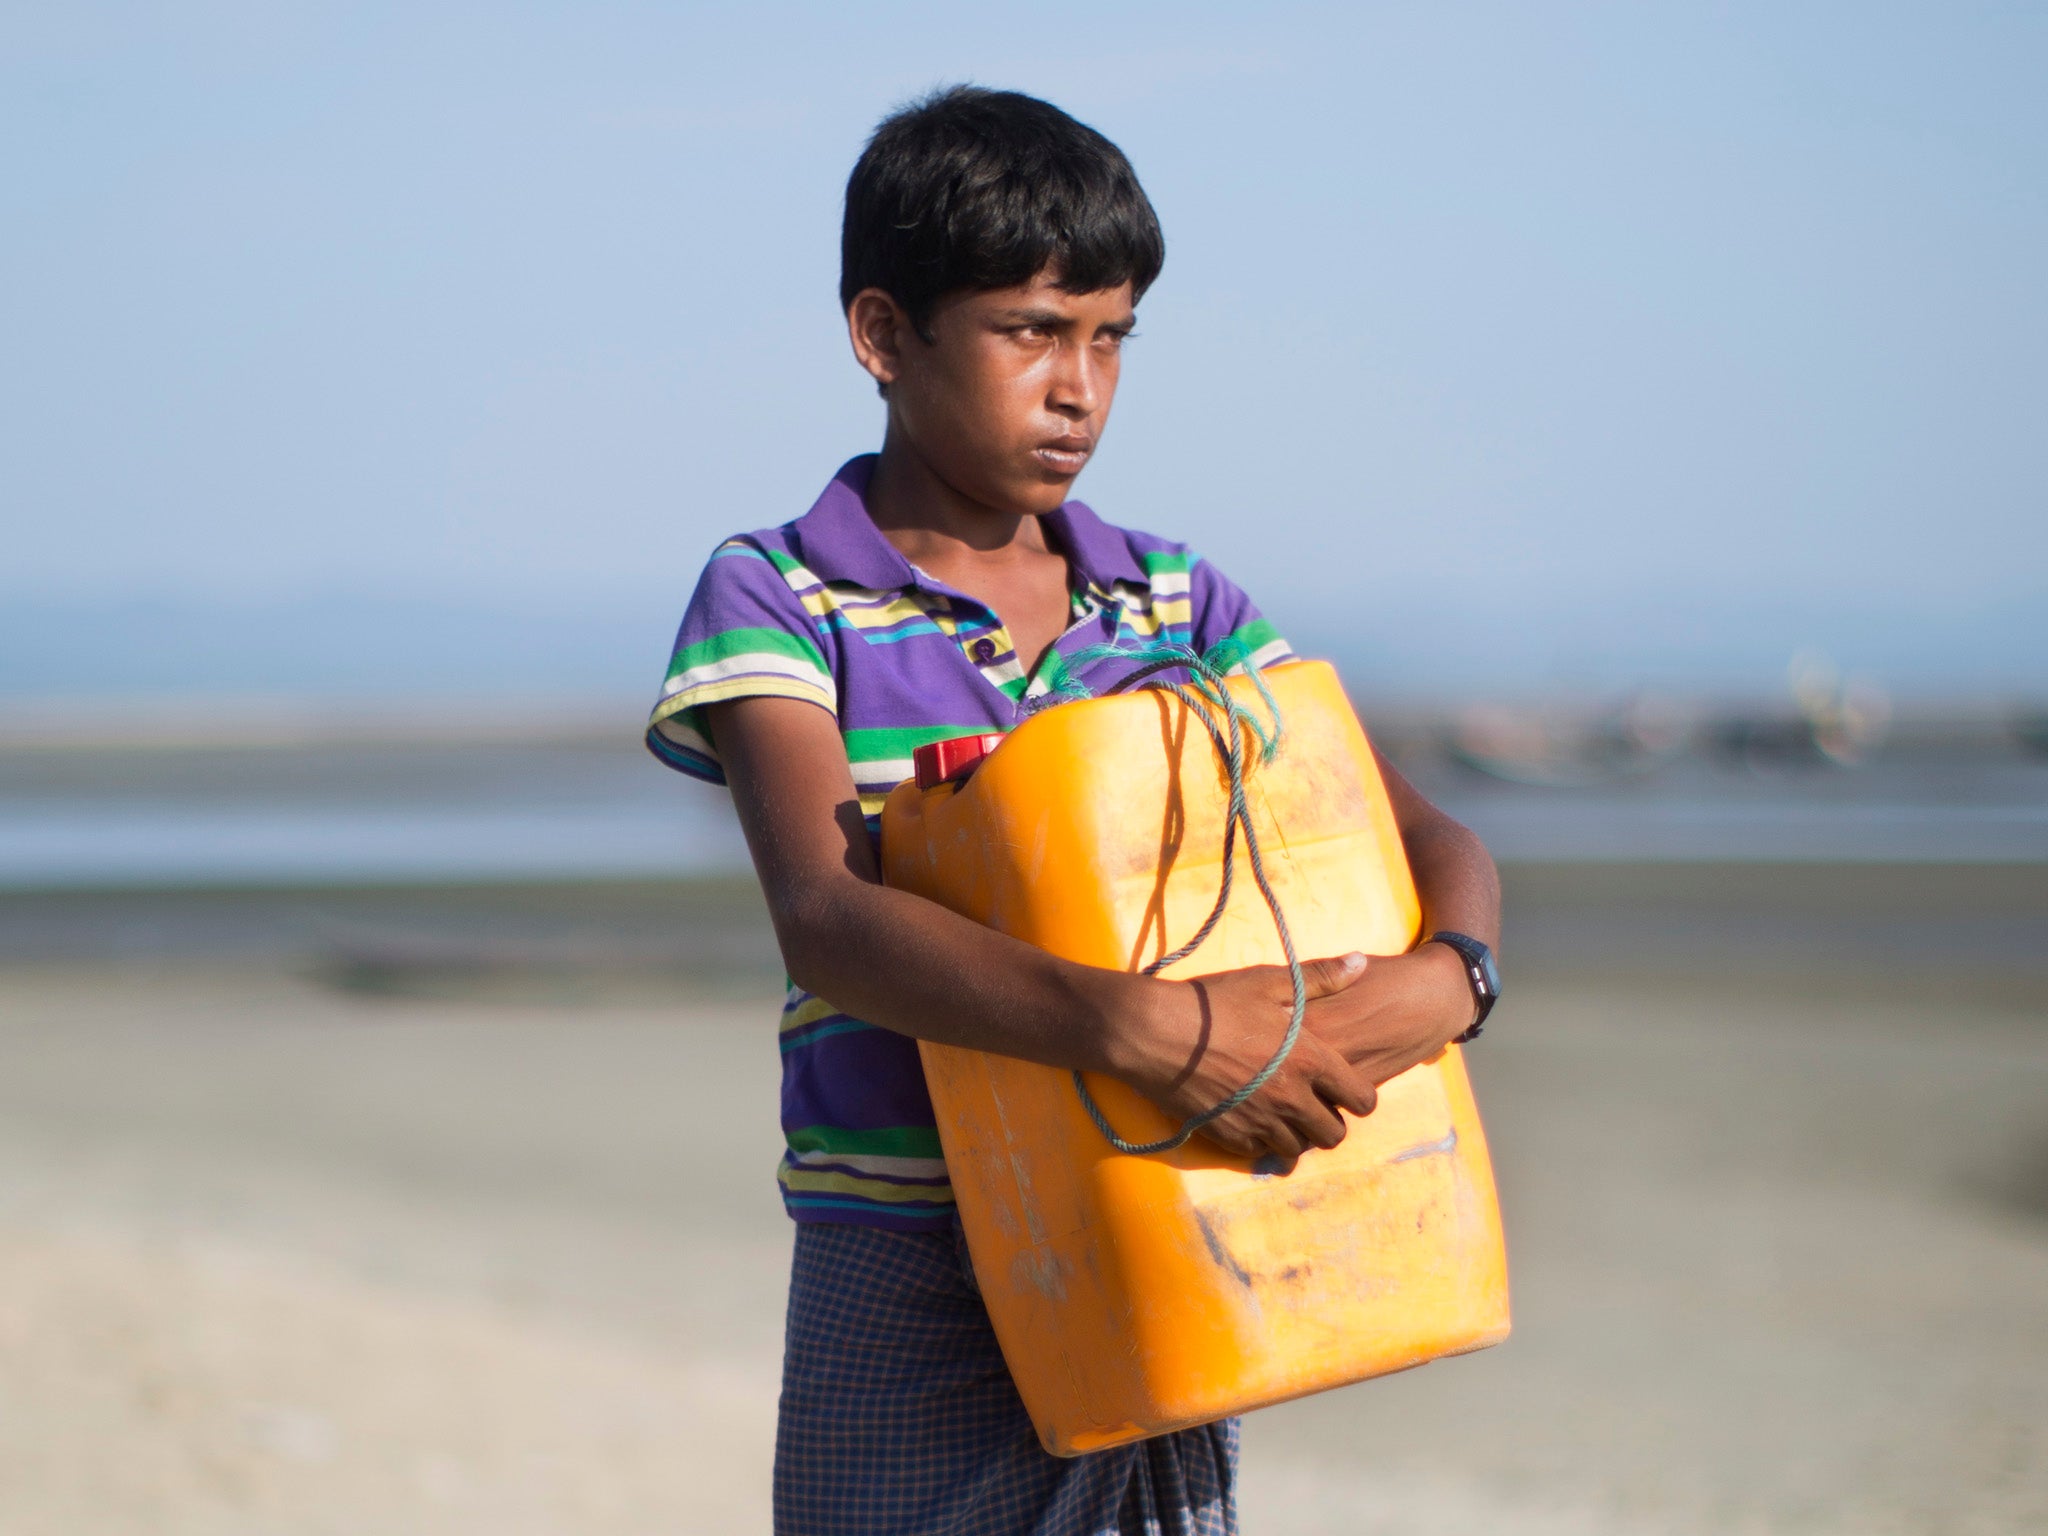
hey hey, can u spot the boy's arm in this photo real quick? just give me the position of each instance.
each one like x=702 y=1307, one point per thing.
x=910 y=965
x=1454 y=874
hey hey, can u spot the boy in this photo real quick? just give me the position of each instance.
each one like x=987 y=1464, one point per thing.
x=993 y=252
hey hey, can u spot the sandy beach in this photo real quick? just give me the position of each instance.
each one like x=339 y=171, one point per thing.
x=383 y=1224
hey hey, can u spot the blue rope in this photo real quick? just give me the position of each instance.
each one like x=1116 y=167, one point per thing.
x=1226 y=720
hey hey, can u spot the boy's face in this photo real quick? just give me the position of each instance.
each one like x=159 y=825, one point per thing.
x=1009 y=398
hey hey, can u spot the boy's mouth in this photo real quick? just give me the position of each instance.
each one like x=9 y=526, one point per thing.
x=1066 y=455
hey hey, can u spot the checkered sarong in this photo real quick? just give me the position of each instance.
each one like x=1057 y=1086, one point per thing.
x=899 y=1417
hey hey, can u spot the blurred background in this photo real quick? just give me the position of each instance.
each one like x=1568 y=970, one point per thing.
x=1641 y=405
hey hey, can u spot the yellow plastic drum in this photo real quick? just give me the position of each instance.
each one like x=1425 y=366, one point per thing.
x=1137 y=1295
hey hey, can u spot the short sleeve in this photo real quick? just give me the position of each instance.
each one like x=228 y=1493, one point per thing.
x=1220 y=611
x=746 y=633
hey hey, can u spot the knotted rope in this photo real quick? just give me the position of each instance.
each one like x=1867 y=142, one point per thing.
x=1227 y=721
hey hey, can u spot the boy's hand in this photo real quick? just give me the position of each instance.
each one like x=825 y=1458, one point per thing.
x=1220 y=1030
x=1402 y=1011
x=1367 y=1021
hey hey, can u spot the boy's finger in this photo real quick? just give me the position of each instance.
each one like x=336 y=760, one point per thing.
x=1317 y=1124
x=1275 y=1137
x=1333 y=975
x=1231 y=1138
x=1345 y=1087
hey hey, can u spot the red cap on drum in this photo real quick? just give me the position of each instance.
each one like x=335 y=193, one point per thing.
x=944 y=762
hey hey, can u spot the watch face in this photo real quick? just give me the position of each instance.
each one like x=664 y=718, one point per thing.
x=1480 y=971
x=1477 y=955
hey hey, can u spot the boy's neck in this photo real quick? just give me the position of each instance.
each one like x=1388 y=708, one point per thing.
x=933 y=524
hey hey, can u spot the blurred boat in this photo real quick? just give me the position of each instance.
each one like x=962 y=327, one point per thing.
x=1833 y=720
x=2030 y=730
x=1827 y=721
x=1559 y=747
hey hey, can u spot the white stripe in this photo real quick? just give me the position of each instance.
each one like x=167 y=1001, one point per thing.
x=848 y=598
x=889 y=771
x=673 y=730
x=1274 y=651
x=801 y=579
x=751 y=661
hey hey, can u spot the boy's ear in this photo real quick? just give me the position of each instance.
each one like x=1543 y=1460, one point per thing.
x=880 y=329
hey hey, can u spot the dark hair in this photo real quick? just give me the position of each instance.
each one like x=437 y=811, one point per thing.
x=973 y=188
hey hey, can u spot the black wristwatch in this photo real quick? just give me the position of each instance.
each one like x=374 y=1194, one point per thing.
x=1480 y=975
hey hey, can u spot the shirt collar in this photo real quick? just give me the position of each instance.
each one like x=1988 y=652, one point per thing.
x=840 y=542
x=1099 y=552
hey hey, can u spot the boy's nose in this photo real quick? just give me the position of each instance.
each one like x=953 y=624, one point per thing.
x=1076 y=385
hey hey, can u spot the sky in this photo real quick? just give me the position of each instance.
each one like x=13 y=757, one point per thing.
x=1500 y=349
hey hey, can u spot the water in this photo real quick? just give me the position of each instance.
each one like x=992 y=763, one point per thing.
x=1888 y=811
x=402 y=811
x=397 y=811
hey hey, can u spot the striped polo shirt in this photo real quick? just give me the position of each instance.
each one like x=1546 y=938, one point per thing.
x=827 y=610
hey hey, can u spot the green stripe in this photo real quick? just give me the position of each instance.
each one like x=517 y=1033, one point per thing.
x=819 y=1032
x=748 y=642
x=891 y=1141
x=1255 y=636
x=793 y=570
x=881 y=744
x=1165 y=560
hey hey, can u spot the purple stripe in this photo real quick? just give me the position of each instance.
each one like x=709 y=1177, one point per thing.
x=872 y=1081
x=872 y=1213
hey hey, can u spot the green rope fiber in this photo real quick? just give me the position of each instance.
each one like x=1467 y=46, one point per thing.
x=1227 y=722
